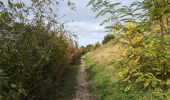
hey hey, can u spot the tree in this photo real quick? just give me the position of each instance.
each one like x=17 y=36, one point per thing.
x=97 y=45
x=144 y=65
x=34 y=56
x=108 y=38
x=90 y=47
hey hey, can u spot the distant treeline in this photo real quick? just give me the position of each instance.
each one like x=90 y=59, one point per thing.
x=90 y=47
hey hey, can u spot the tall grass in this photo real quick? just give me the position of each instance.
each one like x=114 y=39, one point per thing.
x=101 y=83
x=107 y=87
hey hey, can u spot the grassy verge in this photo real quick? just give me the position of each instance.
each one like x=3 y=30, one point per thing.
x=107 y=87
x=102 y=85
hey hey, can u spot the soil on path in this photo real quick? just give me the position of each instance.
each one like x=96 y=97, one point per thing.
x=82 y=88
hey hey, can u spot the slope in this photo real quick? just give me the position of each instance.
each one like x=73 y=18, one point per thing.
x=101 y=73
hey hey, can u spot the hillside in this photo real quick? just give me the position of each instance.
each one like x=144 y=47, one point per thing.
x=106 y=52
x=105 y=78
x=100 y=70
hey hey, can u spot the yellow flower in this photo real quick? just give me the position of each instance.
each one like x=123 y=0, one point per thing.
x=134 y=70
x=124 y=53
x=126 y=78
x=138 y=58
x=129 y=31
x=168 y=82
x=145 y=85
x=137 y=39
x=145 y=45
x=119 y=74
x=131 y=27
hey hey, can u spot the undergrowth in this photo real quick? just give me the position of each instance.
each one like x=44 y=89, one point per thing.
x=65 y=89
x=107 y=87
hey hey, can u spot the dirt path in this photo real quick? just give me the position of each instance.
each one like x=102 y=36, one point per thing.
x=82 y=91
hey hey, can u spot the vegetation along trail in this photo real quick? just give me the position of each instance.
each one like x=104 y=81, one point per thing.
x=56 y=50
x=82 y=91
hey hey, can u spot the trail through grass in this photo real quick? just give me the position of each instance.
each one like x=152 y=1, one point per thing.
x=82 y=88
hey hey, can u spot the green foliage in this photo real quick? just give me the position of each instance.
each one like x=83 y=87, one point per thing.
x=108 y=38
x=97 y=45
x=144 y=65
x=34 y=56
x=105 y=86
x=65 y=89
x=90 y=47
x=82 y=50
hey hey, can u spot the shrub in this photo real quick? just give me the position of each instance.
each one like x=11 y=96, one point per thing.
x=144 y=65
x=33 y=55
x=108 y=38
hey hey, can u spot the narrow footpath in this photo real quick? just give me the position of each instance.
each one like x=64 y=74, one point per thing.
x=82 y=88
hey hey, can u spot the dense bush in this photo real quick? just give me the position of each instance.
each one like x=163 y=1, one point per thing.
x=97 y=45
x=108 y=38
x=33 y=55
x=82 y=50
x=89 y=48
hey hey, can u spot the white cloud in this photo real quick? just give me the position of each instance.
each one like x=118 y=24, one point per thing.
x=82 y=27
x=87 y=32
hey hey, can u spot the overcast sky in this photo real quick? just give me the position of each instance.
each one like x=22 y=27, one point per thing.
x=83 y=22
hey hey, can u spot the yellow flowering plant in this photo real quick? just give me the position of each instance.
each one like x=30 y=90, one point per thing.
x=145 y=62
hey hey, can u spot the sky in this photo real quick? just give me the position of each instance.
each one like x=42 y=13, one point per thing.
x=83 y=23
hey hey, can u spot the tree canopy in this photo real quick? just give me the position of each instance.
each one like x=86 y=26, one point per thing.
x=144 y=65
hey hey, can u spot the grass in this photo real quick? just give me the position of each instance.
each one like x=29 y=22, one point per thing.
x=104 y=85
x=106 y=53
x=101 y=83
x=107 y=87
x=65 y=89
